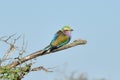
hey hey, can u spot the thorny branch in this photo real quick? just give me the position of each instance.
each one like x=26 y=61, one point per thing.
x=29 y=69
x=11 y=42
x=41 y=68
x=41 y=53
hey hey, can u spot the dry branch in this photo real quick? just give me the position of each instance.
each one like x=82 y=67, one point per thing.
x=40 y=68
x=41 y=53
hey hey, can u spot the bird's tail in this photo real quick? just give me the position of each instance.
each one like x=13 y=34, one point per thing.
x=47 y=47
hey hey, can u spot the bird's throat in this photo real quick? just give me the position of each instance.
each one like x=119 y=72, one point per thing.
x=68 y=33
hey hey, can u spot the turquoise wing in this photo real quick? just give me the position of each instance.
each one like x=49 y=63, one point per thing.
x=53 y=40
x=60 y=40
x=64 y=43
x=56 y=36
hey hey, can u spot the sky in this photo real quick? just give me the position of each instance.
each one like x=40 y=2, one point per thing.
x=97 y=21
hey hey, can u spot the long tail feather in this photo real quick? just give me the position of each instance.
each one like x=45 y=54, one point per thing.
x=47 y=47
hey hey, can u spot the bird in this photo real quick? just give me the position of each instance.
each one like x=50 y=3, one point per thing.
x=61 y=38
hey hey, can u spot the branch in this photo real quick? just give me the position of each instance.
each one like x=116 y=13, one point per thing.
x=41 y=53
x=41 y=68
x=11 y=42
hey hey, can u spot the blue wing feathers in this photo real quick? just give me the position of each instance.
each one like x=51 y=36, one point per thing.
x=62 y=44
x=54 y=38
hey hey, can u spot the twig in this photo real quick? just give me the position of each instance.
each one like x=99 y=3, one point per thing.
x=11 y=48
x=9 y=37
x=40 y=68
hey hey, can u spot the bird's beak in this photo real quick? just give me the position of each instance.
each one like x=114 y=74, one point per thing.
x=71 y=29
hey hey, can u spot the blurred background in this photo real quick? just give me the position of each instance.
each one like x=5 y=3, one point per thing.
x=97 y=21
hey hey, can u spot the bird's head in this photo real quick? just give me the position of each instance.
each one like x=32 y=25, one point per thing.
x=67 y=28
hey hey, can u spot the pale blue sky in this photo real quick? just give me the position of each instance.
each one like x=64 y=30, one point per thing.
x=97 y=21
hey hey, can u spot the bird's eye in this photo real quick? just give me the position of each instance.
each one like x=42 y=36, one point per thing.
x=66 y=30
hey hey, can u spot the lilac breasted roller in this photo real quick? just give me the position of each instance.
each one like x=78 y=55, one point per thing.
x=61 y=38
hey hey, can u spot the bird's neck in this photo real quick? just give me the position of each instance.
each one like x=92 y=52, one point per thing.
x=68 y=33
